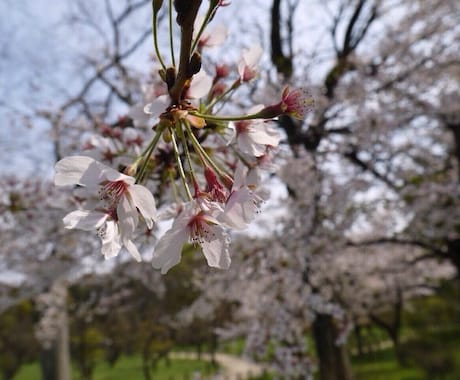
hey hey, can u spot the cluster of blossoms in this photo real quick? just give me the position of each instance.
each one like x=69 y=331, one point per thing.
x=51 y=305
x=208 y=162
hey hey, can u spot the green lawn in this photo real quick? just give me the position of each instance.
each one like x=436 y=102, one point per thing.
x=382 y=365
x=130 y=368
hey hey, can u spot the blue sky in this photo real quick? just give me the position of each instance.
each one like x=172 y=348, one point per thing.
x=40 y=55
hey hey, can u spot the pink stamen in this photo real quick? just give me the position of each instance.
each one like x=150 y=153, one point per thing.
x=112 y=191
x=199 y=229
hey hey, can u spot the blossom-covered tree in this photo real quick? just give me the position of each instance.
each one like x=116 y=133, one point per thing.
x=372 y=171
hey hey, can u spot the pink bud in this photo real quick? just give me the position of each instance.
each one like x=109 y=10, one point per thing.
x=222 y=71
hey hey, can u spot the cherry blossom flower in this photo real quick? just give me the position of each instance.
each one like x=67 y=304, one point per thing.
x=247 y=66
x=244 y=200
x=193 y=225
x=158 y=106
x=115 y=216
x=253 y=136
x=222 y=71
x=213 y=37
x=100 y=148
x=200 y=86
x=296 y=103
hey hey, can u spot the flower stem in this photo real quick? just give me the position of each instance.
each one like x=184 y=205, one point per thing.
x=226 y=118
x=179 y=165
x=203 y=26
x=219 y=98
x=202 y=153
x=171 y=39
x=155 y=39
x=181 y=134
x=145 y=155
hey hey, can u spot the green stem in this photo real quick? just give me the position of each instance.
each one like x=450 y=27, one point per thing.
x=155 y=40
x=179 y=165
x=171 y=39
x=226 y=118
x=145 y=155
x=196 y=144
x=220 y=97
x=202 y=27
x=186 y=150
x=174 y=188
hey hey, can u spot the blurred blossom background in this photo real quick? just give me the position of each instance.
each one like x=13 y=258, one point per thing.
x=351 y=270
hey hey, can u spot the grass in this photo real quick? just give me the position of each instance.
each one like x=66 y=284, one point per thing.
x=131 y=368
x=382 y=365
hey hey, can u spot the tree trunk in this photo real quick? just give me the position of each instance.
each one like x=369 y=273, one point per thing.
x=393 y=327
x=334 y=362
x=146 y=369
x=48 y=363
x=63 y=371
x=146 y=357
x=359 y=340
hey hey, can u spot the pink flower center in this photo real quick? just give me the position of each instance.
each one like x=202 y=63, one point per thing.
x=297 y=102
x=199 y=229
x=248 y=74
x=112 y=191
x=242 y=126
x=214 y=187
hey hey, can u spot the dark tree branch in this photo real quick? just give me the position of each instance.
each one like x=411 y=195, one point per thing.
x=282 y=62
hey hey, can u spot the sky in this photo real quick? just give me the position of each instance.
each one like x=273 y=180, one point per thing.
x=28 y=48
x=40 y=53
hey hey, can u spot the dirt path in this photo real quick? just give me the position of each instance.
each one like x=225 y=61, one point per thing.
x=233 y=367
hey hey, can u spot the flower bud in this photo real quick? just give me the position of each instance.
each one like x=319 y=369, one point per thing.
x=194 y=65
x=186 y=11
x=222 y=71
x=170 y=77
x=156 y=4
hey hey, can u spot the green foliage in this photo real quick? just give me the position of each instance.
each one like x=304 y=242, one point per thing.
x=434 y=335
x=17 y=342
x=130 y=368
x=431 y=343
x=383 y=366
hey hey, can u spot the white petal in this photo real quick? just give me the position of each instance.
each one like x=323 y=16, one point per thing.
x=158 y=106
x=168 y=251
x=144 y=201
x=86 y=171
x=201 y=84
x=262 y=134
x=253 y=178
x=252 y=55
x=216 y=251
x=239 y=178
x=111 y=243
x=230 y=133
x=70 y=170
x=240 y=209
x=138 y=115
x=84 y=220
x=132 y=249
x=247 y=145
x=127 y=217
x=113 y=175
x=215 y=36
